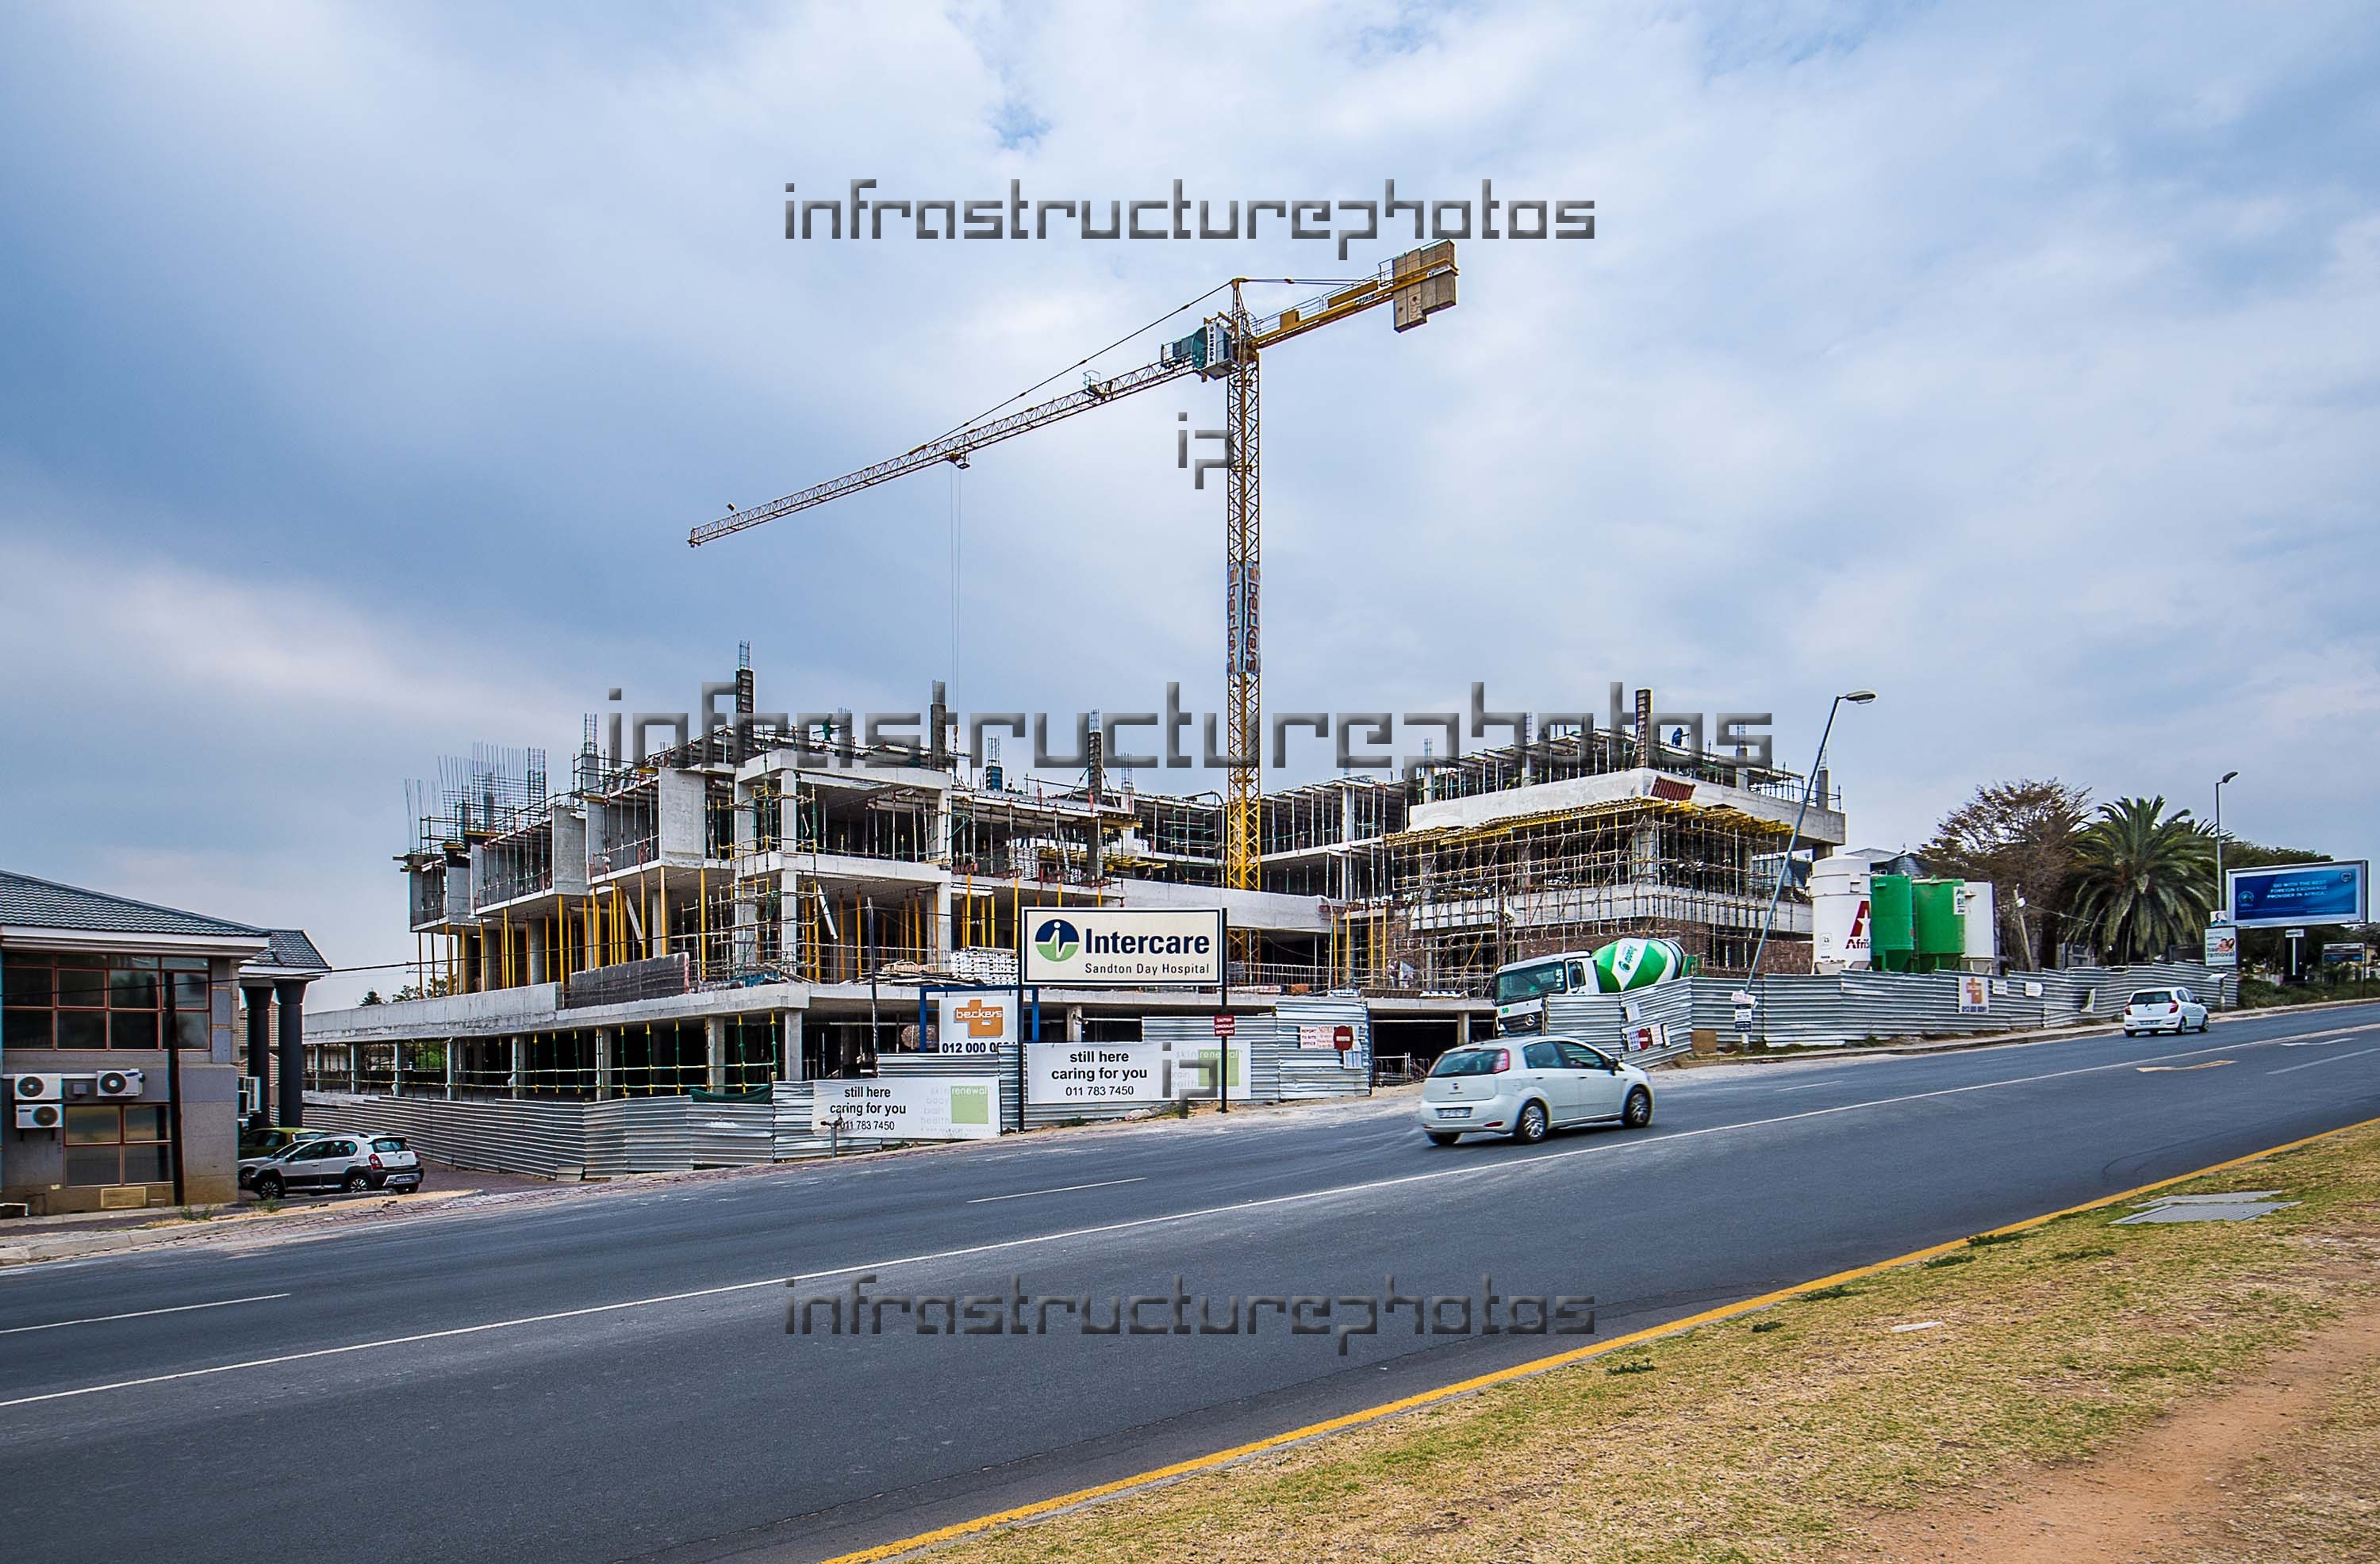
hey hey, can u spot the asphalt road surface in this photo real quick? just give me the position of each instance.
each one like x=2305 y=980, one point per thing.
x=608 y=1376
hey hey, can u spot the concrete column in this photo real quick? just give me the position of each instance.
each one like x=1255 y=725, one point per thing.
x=714 y=1038
x=521 y=1063
x=1074 y=1024
x=259 y=1045
x=536 y=943
x=292 y=1049
x=453 y=1047
x=796 y=1068
x=602 y=1063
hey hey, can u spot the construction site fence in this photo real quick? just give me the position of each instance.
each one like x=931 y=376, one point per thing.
x=1858 y=1006
x=1658 y=1023
x=675 y=1134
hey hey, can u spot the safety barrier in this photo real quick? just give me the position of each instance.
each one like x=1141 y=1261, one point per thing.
x=1862 y=1006
x=647 y=1135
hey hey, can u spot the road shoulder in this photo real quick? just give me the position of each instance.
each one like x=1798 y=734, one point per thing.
x=1937 y=1387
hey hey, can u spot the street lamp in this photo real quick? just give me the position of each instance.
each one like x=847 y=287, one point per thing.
x=1857 y=697
x=2219 y=888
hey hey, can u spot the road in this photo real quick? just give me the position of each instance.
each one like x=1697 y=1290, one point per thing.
x=607 y=1376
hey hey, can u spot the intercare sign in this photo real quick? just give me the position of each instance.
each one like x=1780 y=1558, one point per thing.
x=1121 y=947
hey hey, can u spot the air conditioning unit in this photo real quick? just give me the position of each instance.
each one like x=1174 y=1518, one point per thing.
x=39 y=1115
x=120 y=1083
x=38 y=1088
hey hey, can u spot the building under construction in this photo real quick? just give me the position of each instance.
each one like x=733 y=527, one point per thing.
x=772 y=900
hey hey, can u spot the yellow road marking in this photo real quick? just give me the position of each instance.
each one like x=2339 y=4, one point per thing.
x=1041 y=1508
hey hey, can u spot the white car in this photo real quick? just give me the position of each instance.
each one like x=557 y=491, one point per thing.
x=1526 y=1087
x=2163 y=1010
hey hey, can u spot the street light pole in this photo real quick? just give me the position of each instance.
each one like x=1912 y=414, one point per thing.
x=1857 y=697
x=2220 y=890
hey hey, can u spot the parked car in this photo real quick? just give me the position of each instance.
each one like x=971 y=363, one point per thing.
x=263 y=1140
x=1526 y=1087
x=334 y=1159
x=2163 y=1010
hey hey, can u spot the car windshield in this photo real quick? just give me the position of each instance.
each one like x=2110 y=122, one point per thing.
x=1468 y=1062
x=1530 y=982
x=2154 y=996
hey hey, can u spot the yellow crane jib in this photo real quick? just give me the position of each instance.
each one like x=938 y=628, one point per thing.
x=1417 y=285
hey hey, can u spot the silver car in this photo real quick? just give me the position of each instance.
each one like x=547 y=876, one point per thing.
x=1528 y=1086
x=332 y=1159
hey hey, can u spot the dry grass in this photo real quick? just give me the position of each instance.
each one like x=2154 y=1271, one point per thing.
x=1768 y=1436
x=2317 y=1496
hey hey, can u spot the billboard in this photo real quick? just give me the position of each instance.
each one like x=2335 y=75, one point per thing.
x=1095 y=1072
x=1122 y=947
x=2287 y=894
x=976 y=1024
x=2222 y=944
x=910 y=1107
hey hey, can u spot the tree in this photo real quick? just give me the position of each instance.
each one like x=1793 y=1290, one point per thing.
x=2020 y=836
x=2143 y=879
x=371 y=997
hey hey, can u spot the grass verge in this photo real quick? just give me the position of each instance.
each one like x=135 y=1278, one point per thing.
x=1769 y=1435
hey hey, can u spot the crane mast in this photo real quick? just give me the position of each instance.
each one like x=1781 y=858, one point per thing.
x=1242 y=578
x=1417 y=283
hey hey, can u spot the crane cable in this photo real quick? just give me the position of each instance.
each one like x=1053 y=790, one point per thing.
x=1193 y=304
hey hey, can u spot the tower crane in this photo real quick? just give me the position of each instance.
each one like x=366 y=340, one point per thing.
x=1227 y=348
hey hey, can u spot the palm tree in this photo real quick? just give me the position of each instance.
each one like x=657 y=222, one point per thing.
x=2142 y=879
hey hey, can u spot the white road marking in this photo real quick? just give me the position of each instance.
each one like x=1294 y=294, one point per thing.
x=972 y=1250
x=1061 y=1189
x=2326 y=1058
x=1811 y=1087
x=143 y=1313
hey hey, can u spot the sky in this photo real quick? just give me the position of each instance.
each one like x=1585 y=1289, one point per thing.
x=365 y=368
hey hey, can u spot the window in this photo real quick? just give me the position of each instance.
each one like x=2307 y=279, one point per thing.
x=1529 y=982
x=2153 y=996
x=116 y=1146
x=74 y=999
x=388 y=1143
x=1541 y=1056
x=1472 y=1061
x=1578 y=1056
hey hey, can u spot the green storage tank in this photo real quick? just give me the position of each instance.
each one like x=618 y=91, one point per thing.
x=1941 y=928
x=1892 y=932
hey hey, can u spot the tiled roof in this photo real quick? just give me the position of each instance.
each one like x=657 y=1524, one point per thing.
x=290 y=951
x=26 y=901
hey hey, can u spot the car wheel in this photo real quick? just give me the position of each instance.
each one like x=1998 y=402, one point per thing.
x=357 y=1181
x=1639 y=1111
x=1440 y=1137
x=268 y=1186
x=1532 y=1125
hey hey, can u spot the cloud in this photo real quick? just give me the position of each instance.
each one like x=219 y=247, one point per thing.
x=2014 y=363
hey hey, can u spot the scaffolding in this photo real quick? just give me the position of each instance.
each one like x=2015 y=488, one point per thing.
x=764 y=853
